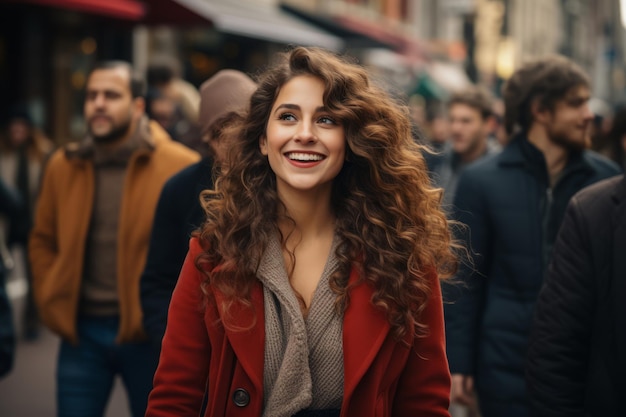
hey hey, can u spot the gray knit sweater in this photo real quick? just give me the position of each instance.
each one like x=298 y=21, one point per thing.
x=303 y=357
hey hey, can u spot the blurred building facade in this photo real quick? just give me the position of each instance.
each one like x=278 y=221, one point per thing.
x=48 y=46
x=45 y=50
x=427 y=47
x=508 y=32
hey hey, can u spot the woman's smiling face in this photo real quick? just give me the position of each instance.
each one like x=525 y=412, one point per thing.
x=304 y=142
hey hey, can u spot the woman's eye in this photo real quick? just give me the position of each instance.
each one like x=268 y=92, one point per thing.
x=287 y=116
x=327 y=120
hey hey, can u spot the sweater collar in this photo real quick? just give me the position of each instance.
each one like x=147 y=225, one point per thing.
x=87 y=149
x=365 y=329
x=293 y=346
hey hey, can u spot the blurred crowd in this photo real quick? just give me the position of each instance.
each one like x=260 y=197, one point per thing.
x=508 y=163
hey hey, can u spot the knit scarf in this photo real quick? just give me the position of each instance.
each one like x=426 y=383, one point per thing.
x=303 y=357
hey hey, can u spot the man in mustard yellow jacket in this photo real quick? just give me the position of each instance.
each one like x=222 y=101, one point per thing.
x=90 y=239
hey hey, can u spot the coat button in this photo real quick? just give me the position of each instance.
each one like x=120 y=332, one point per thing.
x=241 y=398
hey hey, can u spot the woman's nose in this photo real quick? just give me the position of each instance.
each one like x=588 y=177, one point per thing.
x=305 y=132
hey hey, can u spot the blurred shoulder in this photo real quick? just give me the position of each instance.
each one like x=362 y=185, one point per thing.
x=601 y=164
x=194 y=175
x=484 y=167
x=601 y=191
x=164 y=145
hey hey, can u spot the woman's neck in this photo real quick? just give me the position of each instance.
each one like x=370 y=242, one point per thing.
x=311 y=213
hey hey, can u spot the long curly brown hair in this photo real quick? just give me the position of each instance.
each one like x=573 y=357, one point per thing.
x=388 y=217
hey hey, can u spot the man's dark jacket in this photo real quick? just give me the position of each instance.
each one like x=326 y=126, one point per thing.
x=577 y=352
x=512 y=216
x=178 y=214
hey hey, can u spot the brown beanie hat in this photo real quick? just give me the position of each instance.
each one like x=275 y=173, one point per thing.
x=226 y=91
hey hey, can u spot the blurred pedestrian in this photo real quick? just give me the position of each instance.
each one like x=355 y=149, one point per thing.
x=437 y=129
x=165 y=74
x=615 y=140
x=498 y=134
x=90 y=241
x=164 y=77
x=576 y=362
x=179 y=211
x=162 y=110
x=602 y=121
x=313 y=287
x=513 y=204
x=23 y=152
x=12 y=208
x=165 y=111
x=470 y=123
x=435 y=134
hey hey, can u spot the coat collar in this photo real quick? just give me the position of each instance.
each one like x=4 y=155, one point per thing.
x=618 y=278
x=520 y=152
x=364 y=331
x=248 y=345
x=365 y=328
x=145 y=139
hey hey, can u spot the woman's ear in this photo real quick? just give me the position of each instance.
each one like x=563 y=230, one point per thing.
x=263 y=145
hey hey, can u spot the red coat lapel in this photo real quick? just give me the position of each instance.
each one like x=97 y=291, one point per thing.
x=249 y=345
x=364 y=330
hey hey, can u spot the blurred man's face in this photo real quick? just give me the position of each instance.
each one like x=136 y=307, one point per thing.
x=569 y=124
x=110 y=109
x=216 y=140
x=439 y=130
x=19 y=131
x=468 y=129
x=163 y=111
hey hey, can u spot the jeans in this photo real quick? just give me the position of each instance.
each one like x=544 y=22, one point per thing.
x=86 y=372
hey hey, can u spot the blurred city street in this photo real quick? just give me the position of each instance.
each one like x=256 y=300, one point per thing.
x=70 y=154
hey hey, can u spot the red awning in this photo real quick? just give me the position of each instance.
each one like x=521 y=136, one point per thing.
x=120 y=9
x=172 y=12
x=371 y=29
x=399 y=42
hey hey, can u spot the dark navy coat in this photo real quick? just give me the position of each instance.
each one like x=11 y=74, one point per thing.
x=512 y=216
x=178 y=214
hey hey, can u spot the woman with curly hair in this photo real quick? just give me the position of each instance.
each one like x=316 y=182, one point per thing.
x=313 y=287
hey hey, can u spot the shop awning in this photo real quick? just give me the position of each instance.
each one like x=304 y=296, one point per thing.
x=448 y=75
x=439 y=79
x=428 y=88
x=248 y=19
x=354 y=38
x=120 y=9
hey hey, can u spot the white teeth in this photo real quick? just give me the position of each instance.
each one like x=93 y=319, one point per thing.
x=304 y=156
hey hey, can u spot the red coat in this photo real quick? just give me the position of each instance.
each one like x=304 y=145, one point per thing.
x=382 y=378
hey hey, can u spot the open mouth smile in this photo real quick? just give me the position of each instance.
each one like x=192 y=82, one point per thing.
x=304 y=157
